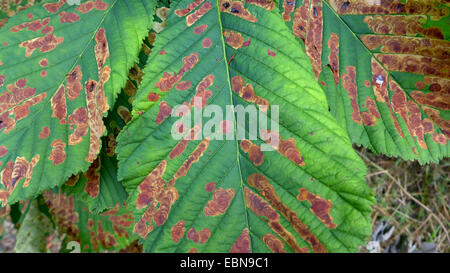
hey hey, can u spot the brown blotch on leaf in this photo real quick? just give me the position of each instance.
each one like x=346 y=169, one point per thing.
x=219 y=203
x=73 y=85
x=58 y=105
x=200 y=29
x=247 y=93
x=193 y=134
x=288 y=8
x=349 y=84
x=31 y=26
x=188 y=9
x=333 y=58
x=92 y=175
x=256 y=156
x=271 y=53
x=68 y=17
x=54 y=7
x=178 y=230
x=183 y=85
x=58 y=154
x=151 y=186
x=266 y=190
x=46 y=43
x=234 y=39
x=196 y=15
x=313 y=42
x=237 y=8
x=168 y=81
x=288 y=148
x=45 y=132
x=319 y=206
x=207 y=42
x=164 y=111
x=72 y=181
x=79 y=118
x=300 y=20
x=402 y=25
x=124 y=113
x=152 y=96
x=242 y=243
x=273 y=243
x=210 y=186
x=3 y=150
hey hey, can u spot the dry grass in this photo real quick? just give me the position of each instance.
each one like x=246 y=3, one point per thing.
x=414 y=199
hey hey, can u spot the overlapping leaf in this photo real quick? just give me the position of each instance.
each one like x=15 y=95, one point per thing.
x=110 y=230
x=385 y=68
x=211 y=195
x=61 y=68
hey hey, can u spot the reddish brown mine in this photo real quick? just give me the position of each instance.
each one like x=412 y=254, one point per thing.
x=271 y=53
x=415 y=64
x=73 y=85
x=46 y=43
x=204 y=235
x=319 y=206
x=166 y=200
x=151 y=186
x=313 y=43
x=144 y=226
x=333 y=58
x=370 y=118
x=261 y=207
x=192 y=235
x=408 y=45
x=196 y=15
x=168 y=81
x=444 y=125
x=10 y=102
x=85 y=7
x=261 y=183
x=242 y=243
x=178 y=230
x=188 y=9
x=58 y=105
x=219 y=203
x=45 y=133
x=31 y=26
x=198 y=30
x=415 y=123
x=210 y=186
x=288 y=8
x=273 y=243
x=254 y=152
x=54 y=7
x=193 y=157
x=152 y=96
x=23 y=169
x=58 y=154
x=237 y=8
x=3 y=150
x=403 y=25
x=68 y=17
x=247 y=93
x=234 y=39
x=288 y=148
x=164 y=111
x=179 y=149
x=389 y=7
x=79 y=119
x=300 y=20
x=101 y=48
x=438 y=99
x=92 y=175
x=183 y=85
x=265 y=4
x=203 y=93
x=207 y=42
x=349 y=84
x=379 y=83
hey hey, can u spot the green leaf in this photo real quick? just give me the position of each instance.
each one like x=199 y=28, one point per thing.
x=60 y=72
x=110 y=230
x=33 y=232
x=385 y=70
x=211 y=195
